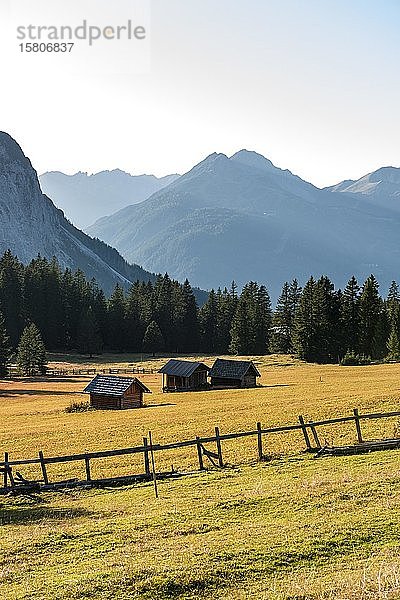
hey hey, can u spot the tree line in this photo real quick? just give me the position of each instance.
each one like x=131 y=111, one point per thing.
x=318 y=323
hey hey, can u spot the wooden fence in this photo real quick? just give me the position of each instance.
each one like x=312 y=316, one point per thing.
x=13 y=480
x=13 y=372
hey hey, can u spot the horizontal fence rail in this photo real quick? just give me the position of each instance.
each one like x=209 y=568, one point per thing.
x=14 y=372
x=7 y=465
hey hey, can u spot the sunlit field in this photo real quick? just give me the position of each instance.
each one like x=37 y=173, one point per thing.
x=292 y=527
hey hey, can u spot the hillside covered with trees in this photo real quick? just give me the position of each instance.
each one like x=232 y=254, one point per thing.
x=317 y=323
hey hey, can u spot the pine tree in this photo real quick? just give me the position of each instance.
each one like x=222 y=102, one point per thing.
x=209 y=324
x=350 y=316
x=5 y=349
x=370 y=318
x=189 y=323
x=393 y=344
x=163 y=310
x=240 y=330
x=31 y=354
x=116 y=338
x=283 y=318
x=153 y=340
x=226 y=308
x=262 y=323
x=304 y=334
x=11 y=295
x=393 y=300
x=89 y=337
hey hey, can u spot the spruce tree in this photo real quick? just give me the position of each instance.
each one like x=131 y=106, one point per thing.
x=11 y=295
x=393 y=343
x=89 y=336
x=305 y=334
x=153 y=340
x=240 y=330
x=189 y=324
x=116 y=337
x=350 y=316
x=283 y=318
x=31 y=354
x=209 y=324
x=263 y=319
x=5 y=349
x=370 y=318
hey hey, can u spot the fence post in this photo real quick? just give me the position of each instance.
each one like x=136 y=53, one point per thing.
x=315 y=435
x=44 y=470
x=5 y=469
x=153 y=466
x=259 y=442
x=305 y=433
x=146 y=457
x=199 y=453
x=87 y=468
x=358 y=426
x=219 y=449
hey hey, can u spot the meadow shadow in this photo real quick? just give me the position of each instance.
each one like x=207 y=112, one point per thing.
x=158 y=405
x=33 y=514
x=16 y=392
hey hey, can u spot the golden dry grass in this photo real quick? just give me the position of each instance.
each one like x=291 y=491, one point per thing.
x=290 y=529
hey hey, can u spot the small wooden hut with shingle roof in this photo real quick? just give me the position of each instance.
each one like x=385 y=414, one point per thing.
x=234 y=373
x=183 y=375
x=110 y=392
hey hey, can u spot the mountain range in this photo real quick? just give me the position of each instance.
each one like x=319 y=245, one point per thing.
x=242 y=218
x=85 y=198
x=30 y=224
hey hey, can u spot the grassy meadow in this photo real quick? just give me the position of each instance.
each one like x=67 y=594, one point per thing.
x=292 y=528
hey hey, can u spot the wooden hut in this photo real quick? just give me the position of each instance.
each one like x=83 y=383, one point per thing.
x=234 y=373
x=110 y=392
x=183 y=375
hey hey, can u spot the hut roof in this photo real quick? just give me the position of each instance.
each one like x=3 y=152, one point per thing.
x=232 y=369
x=108 y=385
x=182 y=368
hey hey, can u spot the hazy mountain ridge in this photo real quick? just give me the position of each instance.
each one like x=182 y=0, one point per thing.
x=85 y=198
x=381 y=187
x=243 y=218
x=31 y=224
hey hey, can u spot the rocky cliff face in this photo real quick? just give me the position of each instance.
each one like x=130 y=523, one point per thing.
x=30 y=224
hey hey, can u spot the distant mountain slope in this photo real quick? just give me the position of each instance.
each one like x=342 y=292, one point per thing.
x=31 y=224
x=85 y=198
x=382 y=188
x=243 y=218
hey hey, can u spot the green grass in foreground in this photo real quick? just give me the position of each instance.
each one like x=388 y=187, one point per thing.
x=293 y=529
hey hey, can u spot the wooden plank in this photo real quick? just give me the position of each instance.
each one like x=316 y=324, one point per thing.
x=358 y=426
x=43 y=466
x=380 y=415
x=219 y=448
x=199 y=453
x=87 y=468
x=259 y=442
x=153 y=466
x=305 y=432
x=6 y=467
x=146 y=457
x=315 y=435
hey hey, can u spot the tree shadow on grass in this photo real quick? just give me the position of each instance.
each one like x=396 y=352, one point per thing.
x=275 y=385
x=158 y=405
x=24 y=392
x=33 y=514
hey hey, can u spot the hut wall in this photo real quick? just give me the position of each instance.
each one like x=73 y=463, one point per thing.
x=225 y=382
x=249 y=380
x=104 y=402
x=133 y=398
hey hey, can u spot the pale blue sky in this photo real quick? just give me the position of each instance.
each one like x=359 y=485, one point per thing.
x=311 y=84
